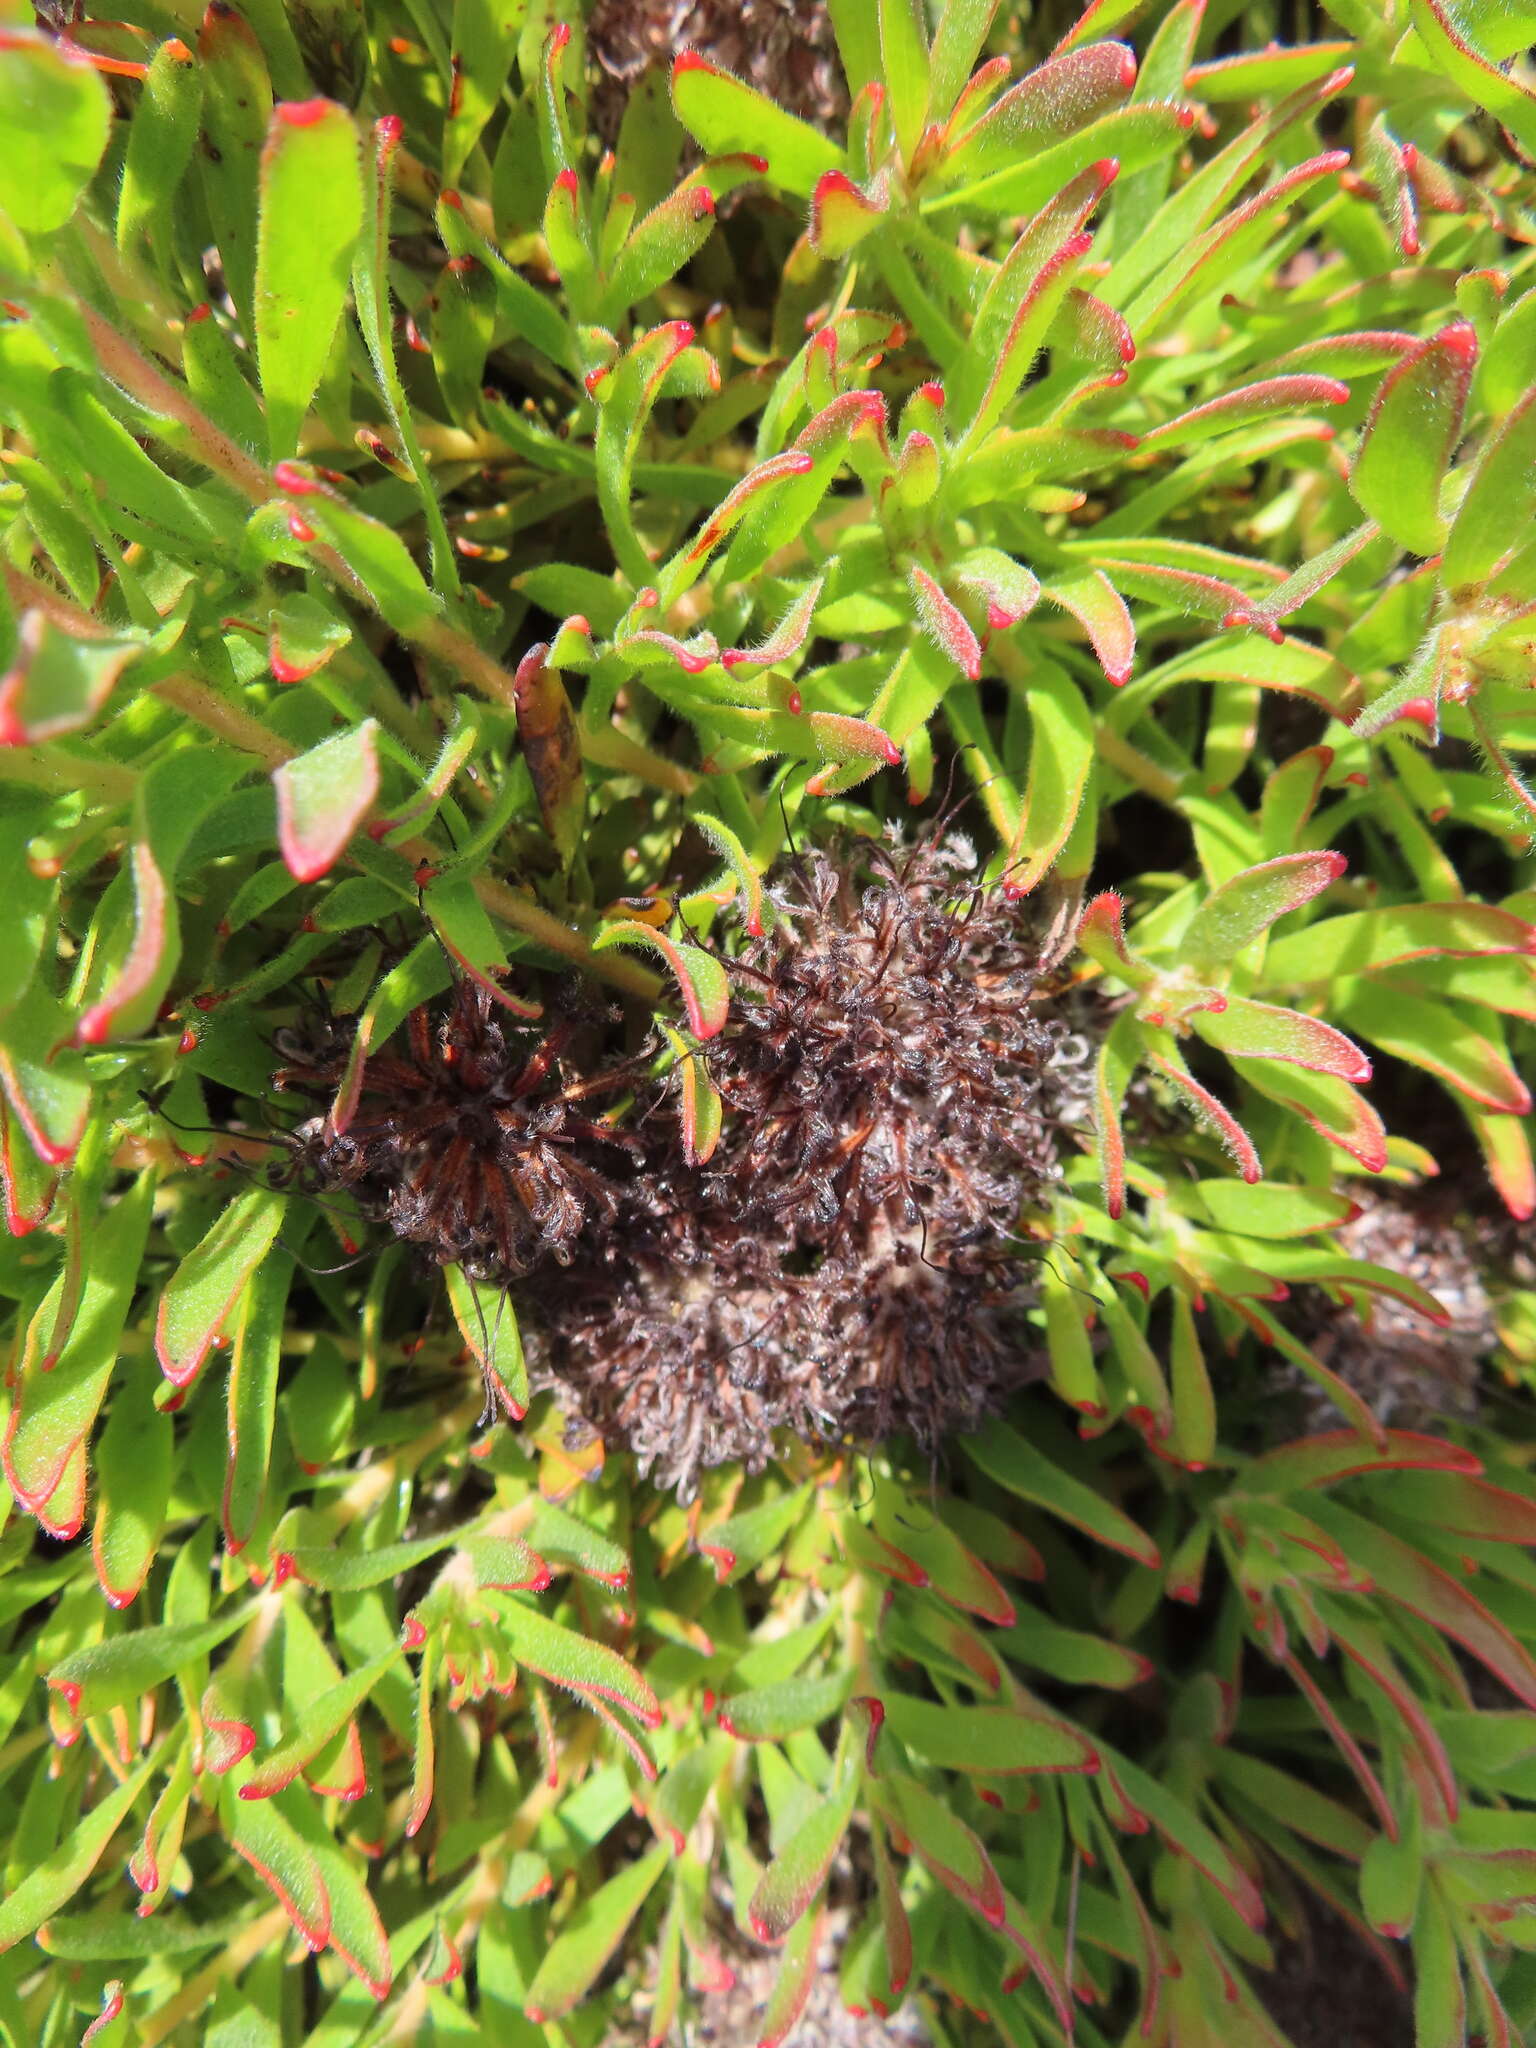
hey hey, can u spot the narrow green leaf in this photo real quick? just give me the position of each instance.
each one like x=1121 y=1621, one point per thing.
x=1242 y=909
x=568 y=1659
x=994 y=1740
x=940 y=1841
x=311 y=212
x=1061 y=756
x=252 y=1398
x=264 y=1836
x=488 y=1324
x=768 y=1712
x=126 y=1668
x=702 y=981
x=60 y=1875
x=133 y=1483
x=793 y=1879
x=904 y=66
x=1500 y=501
x=161 y=139
x=1501 y=91
x=589 y=1938
x=1366 y=939
x=318 y=1721
x=1410 y=435
x=1014 y=1463
x=204 y=1289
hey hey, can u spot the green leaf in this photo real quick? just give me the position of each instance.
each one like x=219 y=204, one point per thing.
x=793 y=1879
x=1101 y=611
x=1184 y=1831
x=1488 y=85
x=767 y=1712
x=1437 y=1038
x=1506 y=364
x=237 y=103
x=161 y=139
x=1051 y=103
x=568 y=1541
x=302 y=636
x=1456 y=1501
x=262 y=1833
x=485 y=33
x=58 y=1386
x=1002 y=1454
x=658 y=246
x=1440 y=1998
x=311 y=212
x=317 y=1722
x=589 y=1938
x=378 y=558
x=739 y=1544
x=1410 y=436
x=202 y=1293
x=335 y=1570
x=487 y=1322
x=1401 y=1573
x=127 y=1667
x=941 y=1842
x=357 y=1933
x=54 y=1881
x=1061 y=756
x=566 y=1658
x=1366 y=939
x=54 y=120
x=1001 y=1740
x=958 y=42
x=1254 y=74
x=1332 y=1106
x=1500 y=501
x=133 y=1483
x=904 y=67
x=725 y=116
x=252 y=1398
x=1068 y=1656
x=1248 y=1030
x=702 y=981
x=48 y=1086
x=1338 y=1454
x=1242 y=909
x=57 y=682
x=1020 y=302
x=322 y=798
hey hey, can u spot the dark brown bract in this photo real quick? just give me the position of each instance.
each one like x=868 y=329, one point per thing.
x=469 y=1140
x=848 y=1264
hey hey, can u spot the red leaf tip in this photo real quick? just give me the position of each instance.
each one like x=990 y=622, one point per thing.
x=1461 y=339
x=301 y=113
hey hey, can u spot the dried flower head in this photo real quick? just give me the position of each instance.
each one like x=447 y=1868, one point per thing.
x=1412 y=1372
x=470 y=1140
x=847 y=1265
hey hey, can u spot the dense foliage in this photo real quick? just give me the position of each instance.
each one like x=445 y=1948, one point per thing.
x=831 y=804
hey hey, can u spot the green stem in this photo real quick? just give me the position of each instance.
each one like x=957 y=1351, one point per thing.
x=48 y=768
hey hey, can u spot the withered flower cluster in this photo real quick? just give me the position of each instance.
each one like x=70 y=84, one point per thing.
x=469 y=1141
x=848 y=1263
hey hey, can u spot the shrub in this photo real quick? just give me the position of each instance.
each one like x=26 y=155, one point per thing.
x=772 y=788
